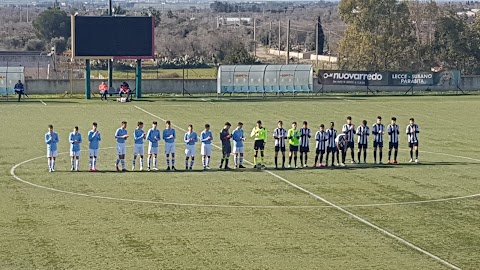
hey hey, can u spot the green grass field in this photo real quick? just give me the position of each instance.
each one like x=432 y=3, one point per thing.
x=286 y=219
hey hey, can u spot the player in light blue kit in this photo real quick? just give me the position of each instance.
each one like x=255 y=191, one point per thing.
x=51 y=139
x=238 y=138
x=169 y=137
x=153 y=137
x=75 y=139
x=94 y=138
x=206 y=150
x=190 y=139
x=138 y=137
x=121 y=135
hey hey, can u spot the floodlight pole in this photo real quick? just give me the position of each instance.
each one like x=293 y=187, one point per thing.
x=110 y=62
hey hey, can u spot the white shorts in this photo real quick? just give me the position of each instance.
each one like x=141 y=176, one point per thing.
x=138 y=150
x=74 y=153
x=190 y=150
x=169 y=148
x=206 y=149
x=152 y=150
x=52 y=153
x=93 y=152
x=121 y=149
x=238 y=150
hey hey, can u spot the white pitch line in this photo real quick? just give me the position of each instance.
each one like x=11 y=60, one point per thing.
x=43 y=102
x=205 y=101
x=358 y=218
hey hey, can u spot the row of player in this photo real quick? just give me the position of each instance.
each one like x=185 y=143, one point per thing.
x=328 y=141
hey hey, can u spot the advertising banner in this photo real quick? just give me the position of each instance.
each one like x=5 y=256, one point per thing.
x=340 y=77
x=370 y=78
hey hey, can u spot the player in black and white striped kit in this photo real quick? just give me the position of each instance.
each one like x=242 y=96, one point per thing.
x=279 y=134
x=412 y=134
x=378 y=130
x=349 y=130
x=321 y=145
x=393 y=131
x=305 y=135
x=331 y=145
x=363 y=131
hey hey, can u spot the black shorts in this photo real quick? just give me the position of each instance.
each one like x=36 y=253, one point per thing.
x=304 y=149
x=350 y=145
x=377 y=144
x=226 y=149
x=293 y=148
x=393 y=145
x=332 y=149
x=279 y=149
x=318 y=151
x=259 y=145
x=362 y=146
x=411 y=145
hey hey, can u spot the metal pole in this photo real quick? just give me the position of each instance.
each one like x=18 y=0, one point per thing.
x=87 y=79
x=316 y=44
x=110 y=61
x=288 y=43
x=138 y=79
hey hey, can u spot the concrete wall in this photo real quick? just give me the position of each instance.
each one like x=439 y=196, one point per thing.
x=209 y=86
x=194 y=86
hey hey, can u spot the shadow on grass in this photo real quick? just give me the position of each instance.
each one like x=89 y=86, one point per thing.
x=348 y=167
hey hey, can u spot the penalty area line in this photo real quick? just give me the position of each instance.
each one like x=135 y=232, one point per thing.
x=341 y=209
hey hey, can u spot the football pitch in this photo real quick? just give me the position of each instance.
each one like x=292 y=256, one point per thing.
x=362 y=216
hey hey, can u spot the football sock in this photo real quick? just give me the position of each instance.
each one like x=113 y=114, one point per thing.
x=411 y=153
x=358 y=156
x=148 y=162
x=204 y=161
x=289 y=160
x=316 y=160
x=94 y=162
x=381 y=155
x=53 y=164
x=306 y=158
x=192 y=162
x=295 y=160
x=141 y=162
x=396 y=153
x=255 y=160
x=226 y=162
x=208 y=161
x=49 y=163
x=375 y=155
x=321 y=158
x=389 y=154
x=276 y=161
x=77 y=164
x=133 y=162
x=117 y=162
x=123 y=163
x=154 y=162
x=221 y=162
x=168 y=162
x=186 y=162
x=173 y=162
x=416 y=154
x=283 y=160
x=241 y=160
x=263 y=160
x=364 y=156
x=301 y=159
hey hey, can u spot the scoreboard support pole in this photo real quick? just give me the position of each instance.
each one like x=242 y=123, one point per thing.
x=138 y=79
x=87 y=79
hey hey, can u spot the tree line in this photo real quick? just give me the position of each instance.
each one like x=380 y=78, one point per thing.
x=399 y=35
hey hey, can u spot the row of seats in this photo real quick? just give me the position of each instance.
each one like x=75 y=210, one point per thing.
x=266 y=88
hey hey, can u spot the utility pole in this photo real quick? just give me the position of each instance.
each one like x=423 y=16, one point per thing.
x=270 y=37
x=288 y=44
x=255 y=37
x=279 y=36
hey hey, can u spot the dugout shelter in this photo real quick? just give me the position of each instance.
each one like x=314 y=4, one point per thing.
x=264 y=79
x=9 y=76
